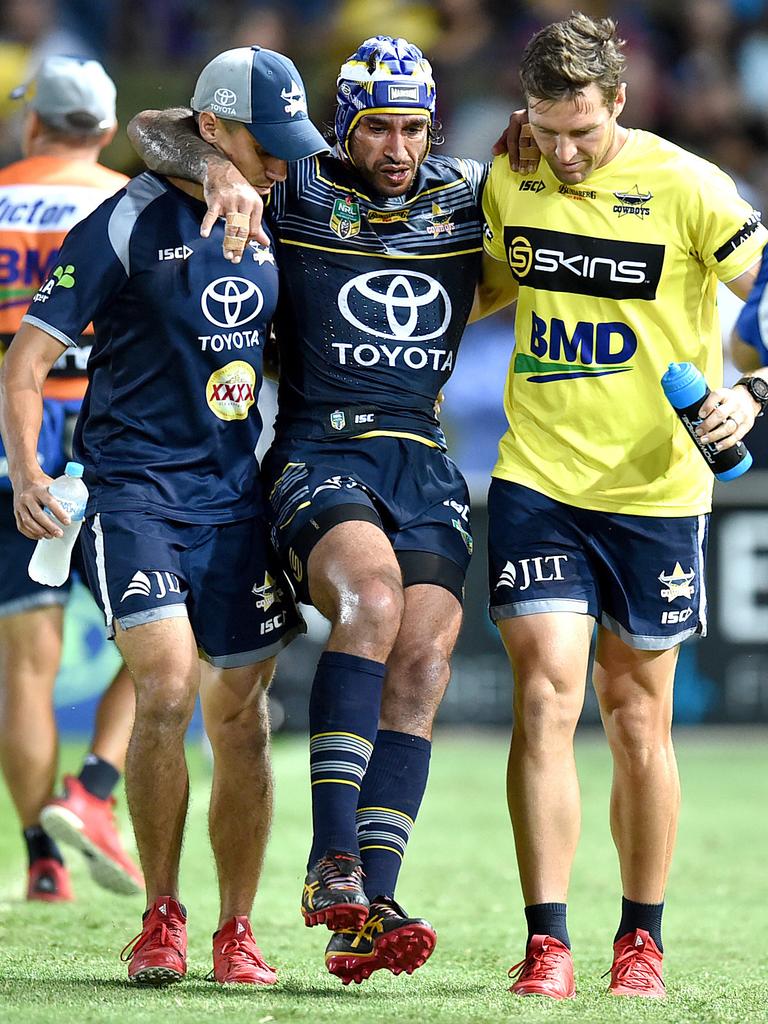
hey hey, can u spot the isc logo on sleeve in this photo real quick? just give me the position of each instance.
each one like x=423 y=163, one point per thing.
x=179 y=252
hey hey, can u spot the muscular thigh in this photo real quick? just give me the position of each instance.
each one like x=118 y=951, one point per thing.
x=411 y=493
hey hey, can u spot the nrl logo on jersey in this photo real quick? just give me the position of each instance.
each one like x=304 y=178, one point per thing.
x=345 y=218
x=678 y=583
x=267 y=594
x=633 y=203
x=440 y=221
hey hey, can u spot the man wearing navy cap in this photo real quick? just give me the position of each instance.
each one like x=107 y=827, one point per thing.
x=175 y=541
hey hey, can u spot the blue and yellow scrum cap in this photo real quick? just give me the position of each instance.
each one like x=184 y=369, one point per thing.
x=383 y=76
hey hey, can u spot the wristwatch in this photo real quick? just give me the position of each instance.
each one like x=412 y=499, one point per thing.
x=758 y=389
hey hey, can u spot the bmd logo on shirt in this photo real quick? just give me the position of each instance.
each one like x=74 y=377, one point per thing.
x=556 y=261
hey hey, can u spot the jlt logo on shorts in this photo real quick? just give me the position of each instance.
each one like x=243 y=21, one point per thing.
x=540 y=569
x=141 y=585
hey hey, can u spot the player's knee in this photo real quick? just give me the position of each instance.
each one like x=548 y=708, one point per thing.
x=373 y=610
x=416 y=681
x=545 y=710
x=165 y=704
x=242 y=727
x=635 y=730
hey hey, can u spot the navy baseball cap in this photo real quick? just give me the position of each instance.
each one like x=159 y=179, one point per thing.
x=263 y=90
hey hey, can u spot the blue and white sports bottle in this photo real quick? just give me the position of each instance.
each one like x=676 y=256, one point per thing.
x=51 y=558
x=686 y=389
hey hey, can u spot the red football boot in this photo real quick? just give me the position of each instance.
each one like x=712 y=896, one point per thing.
x=48 y=881
x=82 y=820
x=158 y=954
x=546 y=971
x=237 y=958
x=636 y=969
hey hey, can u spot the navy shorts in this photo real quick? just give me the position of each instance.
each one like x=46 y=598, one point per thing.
x=412 y=491
x=224 y=578
x=642 y=577
x=18 y=593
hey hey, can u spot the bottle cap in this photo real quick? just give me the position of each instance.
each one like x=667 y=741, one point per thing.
x=73 y=469
x=683 y=385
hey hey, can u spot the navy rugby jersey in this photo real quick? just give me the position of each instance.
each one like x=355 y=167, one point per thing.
x=375 y=296
x=169 y=420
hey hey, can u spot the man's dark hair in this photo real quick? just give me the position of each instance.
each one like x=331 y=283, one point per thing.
x=567 y=56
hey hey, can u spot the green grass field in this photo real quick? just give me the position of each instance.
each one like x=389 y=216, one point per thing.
x=60 y=963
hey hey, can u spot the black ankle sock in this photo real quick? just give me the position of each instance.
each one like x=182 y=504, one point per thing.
x=40 y=846
x=641 y=915
x=547 y=919
x=99 y=777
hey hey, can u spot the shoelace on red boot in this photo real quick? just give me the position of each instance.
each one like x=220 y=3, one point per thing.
x=543 y=965
x=635 y=969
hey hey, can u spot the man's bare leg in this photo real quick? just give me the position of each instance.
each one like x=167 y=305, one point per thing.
x=634 y=689
x=235 y=711
x=549 y=655
x=163 y=661
x=30 y=651
x=114 y=720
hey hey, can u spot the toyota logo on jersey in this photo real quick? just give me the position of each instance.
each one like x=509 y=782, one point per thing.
x=231 y=301
x=396 y=305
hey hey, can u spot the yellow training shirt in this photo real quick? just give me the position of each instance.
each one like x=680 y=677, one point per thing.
x=618 y=278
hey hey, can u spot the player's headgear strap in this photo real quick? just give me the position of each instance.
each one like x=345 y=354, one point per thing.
x=383 y=76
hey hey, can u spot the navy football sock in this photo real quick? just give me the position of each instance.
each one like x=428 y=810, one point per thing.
x=641 y=915
x=98 y=776
x=389 y=802
x=40 y=845
x=548 y=919
x=343 y=718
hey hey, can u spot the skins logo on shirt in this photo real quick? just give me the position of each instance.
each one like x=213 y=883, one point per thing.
x=231 y=390
x=557 y=261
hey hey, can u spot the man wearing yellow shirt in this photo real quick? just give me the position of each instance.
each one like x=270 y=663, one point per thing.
x=598 y=506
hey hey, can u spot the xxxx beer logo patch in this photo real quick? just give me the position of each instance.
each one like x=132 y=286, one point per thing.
x=231 y=390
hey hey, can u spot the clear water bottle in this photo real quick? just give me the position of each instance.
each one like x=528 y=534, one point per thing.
x=51 y=558
x=686 y=389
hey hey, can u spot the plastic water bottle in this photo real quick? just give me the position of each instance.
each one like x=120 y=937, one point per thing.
x=686 y=389
x=51 y=558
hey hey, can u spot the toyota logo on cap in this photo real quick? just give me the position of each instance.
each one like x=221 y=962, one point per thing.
x=231 y=301
x=225 y=97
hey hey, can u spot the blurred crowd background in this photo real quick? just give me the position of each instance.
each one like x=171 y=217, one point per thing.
x=697 y=74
